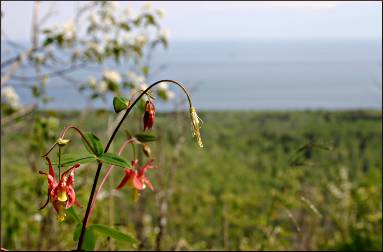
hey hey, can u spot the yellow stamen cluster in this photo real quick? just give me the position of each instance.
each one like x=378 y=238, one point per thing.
x=61 y=196
x=61 y=217
x=196 y=125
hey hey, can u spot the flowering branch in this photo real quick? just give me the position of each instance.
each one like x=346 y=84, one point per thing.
x=195 y=124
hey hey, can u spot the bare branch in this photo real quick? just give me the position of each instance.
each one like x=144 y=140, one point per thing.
x=49 y=14
x=35 y=27
x=22 y=112
x=16 y=64
x=50 y=74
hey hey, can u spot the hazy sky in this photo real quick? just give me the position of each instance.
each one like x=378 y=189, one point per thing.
x=232 y=20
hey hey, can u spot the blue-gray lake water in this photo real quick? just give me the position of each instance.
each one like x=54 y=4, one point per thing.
x=259 y=75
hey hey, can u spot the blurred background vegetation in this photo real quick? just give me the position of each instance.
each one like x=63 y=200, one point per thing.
x=277 y=180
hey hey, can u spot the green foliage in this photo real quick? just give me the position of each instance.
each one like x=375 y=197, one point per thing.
x=72 y=212
x=240 y=192
x=92 y=143
x=114 y=159
x=72 y=159
x=146 y=137
x=115 y=234
x=120 y=103
x=92 y=230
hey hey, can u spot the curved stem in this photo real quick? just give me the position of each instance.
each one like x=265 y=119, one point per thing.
x=105 y=177
x=63 y=134
x=91 y=196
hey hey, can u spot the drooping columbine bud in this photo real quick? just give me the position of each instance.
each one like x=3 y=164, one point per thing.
x=62 y=142
x=196 y=125
x=149 y=115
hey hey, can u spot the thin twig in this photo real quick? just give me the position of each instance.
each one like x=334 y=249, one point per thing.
x=22 y=112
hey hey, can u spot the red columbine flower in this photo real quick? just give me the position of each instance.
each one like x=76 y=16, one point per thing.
x=61 y=193
x=149 y=115
x=137 y=179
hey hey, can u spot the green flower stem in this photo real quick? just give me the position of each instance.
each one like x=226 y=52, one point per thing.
x=63 y=134
x=59 y=161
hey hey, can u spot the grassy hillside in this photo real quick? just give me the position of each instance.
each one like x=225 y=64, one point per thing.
x=264 y=181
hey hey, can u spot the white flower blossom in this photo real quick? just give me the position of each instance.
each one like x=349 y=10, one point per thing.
x=161 y=12
x=136 y=79
x=112 y=76
x=125 y=38
x=127 y=12
x=69 y=27
x=163 y=86
x=170 y=94
x=146 y=7
x=102 y=87
x=164 y=33
x=96 y=47
x=140 y=40
x=143 y=86
x=69 y=30
x=11 y=97
x=92 y=82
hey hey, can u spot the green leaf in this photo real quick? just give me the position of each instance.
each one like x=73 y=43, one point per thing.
x=77 y=232
x=72 y=212
x=113 y=233
x=120 y=103
x=125 y=26
x=89 y=237
x=48 y=41
x=95 y=143
x=114 y=159
x=146 y=137
x=89 y=240
x=145 y=70
x=72 y=159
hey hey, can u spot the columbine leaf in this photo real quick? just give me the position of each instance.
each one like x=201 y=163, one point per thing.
x=89 y=237
x=114 y=159
x=77 y=232
x=89 y=240
x=113 y=233
x=120 y=103
x=146 y=137
x=72 y=212
x=95 y=143
x=72 y=159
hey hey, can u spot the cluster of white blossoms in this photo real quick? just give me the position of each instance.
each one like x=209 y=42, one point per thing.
x=109 y=7
x=164 y=33
x=161 y=13
x=112 y=76
x=140 y=40
x=9 y=95
x=137 y=80
x=69 y=30
x=100 y=87
x=146 y=7
x=95 y=47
